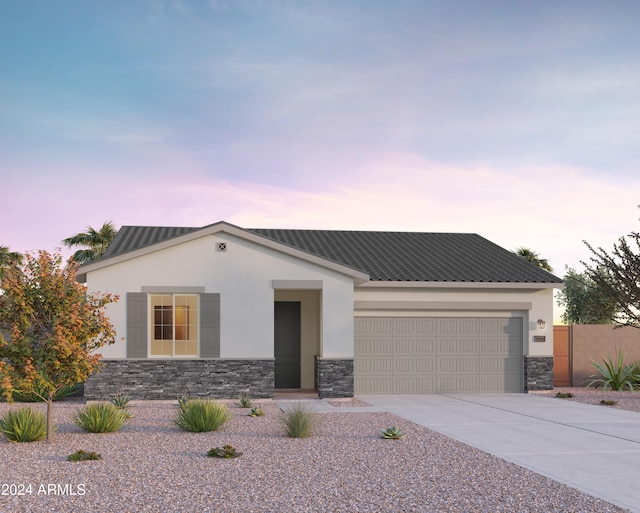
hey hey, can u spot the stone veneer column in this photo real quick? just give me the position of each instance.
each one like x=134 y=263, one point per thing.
x=334 y=377
x=538 y=372
x=169 y=379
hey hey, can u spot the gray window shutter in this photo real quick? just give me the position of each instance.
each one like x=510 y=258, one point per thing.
x=137 y=325
x=210 y=325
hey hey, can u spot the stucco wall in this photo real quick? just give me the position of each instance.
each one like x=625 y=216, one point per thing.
x=596 y=342
x=243 y=276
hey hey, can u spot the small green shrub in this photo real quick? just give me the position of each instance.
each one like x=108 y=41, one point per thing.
x=226 y=452
x=120 y=400
x=245 y=400
x=392 y=433
x=81 y=455
x=608 y=402
x=23 y=425
x=299 y=421
x=564 y=395
x=256 y=411
x=616 y=374
x=100 y=418
x=201 y=415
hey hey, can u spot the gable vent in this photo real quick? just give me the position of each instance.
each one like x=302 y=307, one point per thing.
x=221 y=246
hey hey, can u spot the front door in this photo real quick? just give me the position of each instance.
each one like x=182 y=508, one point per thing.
x=287 y=344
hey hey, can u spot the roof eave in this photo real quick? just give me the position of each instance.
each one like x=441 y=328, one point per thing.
x=358 y=276
x=462 y=285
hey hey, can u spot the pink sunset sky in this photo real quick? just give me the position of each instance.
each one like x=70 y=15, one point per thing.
x=514 y=120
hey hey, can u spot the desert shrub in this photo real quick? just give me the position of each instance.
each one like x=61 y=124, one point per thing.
x=564 y=395
x=34 y=397
x=299 y=421
x=100 y=418
x=120 y=400
x=616 y=374
x=23 y=425
x=81 y=455
x=608 y=402
x=256 y=411
x=392 y=433
x=245 y=400
x=226 y=452
x=201 y=415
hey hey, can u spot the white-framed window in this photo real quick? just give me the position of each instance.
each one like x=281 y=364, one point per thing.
x=173 y=325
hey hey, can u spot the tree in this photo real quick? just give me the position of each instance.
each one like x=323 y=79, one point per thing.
x=531 y=256
x=8 y=257
x=583 y=301
x=49 y=329
x=617 y=276
x=95 y=242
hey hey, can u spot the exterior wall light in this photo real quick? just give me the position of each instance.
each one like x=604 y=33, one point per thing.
x=541 y=324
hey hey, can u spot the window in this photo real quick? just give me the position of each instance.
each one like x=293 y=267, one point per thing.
x=174 y=324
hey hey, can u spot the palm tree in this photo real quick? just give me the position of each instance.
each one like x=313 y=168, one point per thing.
x=8 y=257
x=95 y=242
x=531 y=256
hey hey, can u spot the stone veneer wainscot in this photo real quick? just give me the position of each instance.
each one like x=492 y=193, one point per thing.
x=169 y=379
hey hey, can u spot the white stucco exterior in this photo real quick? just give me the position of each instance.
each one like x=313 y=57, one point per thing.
x=243 y=275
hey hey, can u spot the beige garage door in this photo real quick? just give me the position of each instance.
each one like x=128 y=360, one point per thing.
x=396 y=355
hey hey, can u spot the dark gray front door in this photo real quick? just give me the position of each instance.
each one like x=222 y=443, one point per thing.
x=287 y=344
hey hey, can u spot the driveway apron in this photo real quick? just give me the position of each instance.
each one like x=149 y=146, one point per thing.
x=593 y=448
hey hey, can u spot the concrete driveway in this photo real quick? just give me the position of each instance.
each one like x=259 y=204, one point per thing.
x=593 y=448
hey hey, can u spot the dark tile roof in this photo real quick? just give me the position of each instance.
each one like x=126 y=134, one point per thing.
x=384 y=256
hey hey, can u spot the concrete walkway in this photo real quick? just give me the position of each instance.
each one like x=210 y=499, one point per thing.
x=592 y=448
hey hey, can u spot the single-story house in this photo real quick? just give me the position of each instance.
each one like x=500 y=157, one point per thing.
x=221 y=310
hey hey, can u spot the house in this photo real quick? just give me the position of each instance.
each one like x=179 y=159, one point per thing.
x=221 y=309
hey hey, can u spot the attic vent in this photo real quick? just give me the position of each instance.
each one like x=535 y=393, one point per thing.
x=221 y=246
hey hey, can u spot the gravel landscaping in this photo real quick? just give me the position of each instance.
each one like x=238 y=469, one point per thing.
x=153 y=466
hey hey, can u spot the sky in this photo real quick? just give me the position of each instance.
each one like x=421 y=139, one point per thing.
x=517 y=120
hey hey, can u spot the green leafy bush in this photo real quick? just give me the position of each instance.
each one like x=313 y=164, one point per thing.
x=616 y=374
x=226 y=452
x=245 y=400
x=81 y=455
x=100 y=418
x=299 y=421
x=392 y=433
x=23 y=425
x=201 y=415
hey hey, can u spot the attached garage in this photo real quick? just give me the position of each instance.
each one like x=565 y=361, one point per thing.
x=404 y=355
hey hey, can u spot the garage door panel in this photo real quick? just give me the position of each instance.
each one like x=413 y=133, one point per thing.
x=440 y=355
x=374 y=385
x=407 y=385
x=415 y=346
x=414 y=326
x=374 y=346
x=456 y=346
x=373 y=325
x=457 y=326
x=414 y=366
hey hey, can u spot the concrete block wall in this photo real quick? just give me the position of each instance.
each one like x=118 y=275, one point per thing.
x=169 y=379
x=596 y=342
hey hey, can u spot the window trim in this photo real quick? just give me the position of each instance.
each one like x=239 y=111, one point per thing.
x=151 y=327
